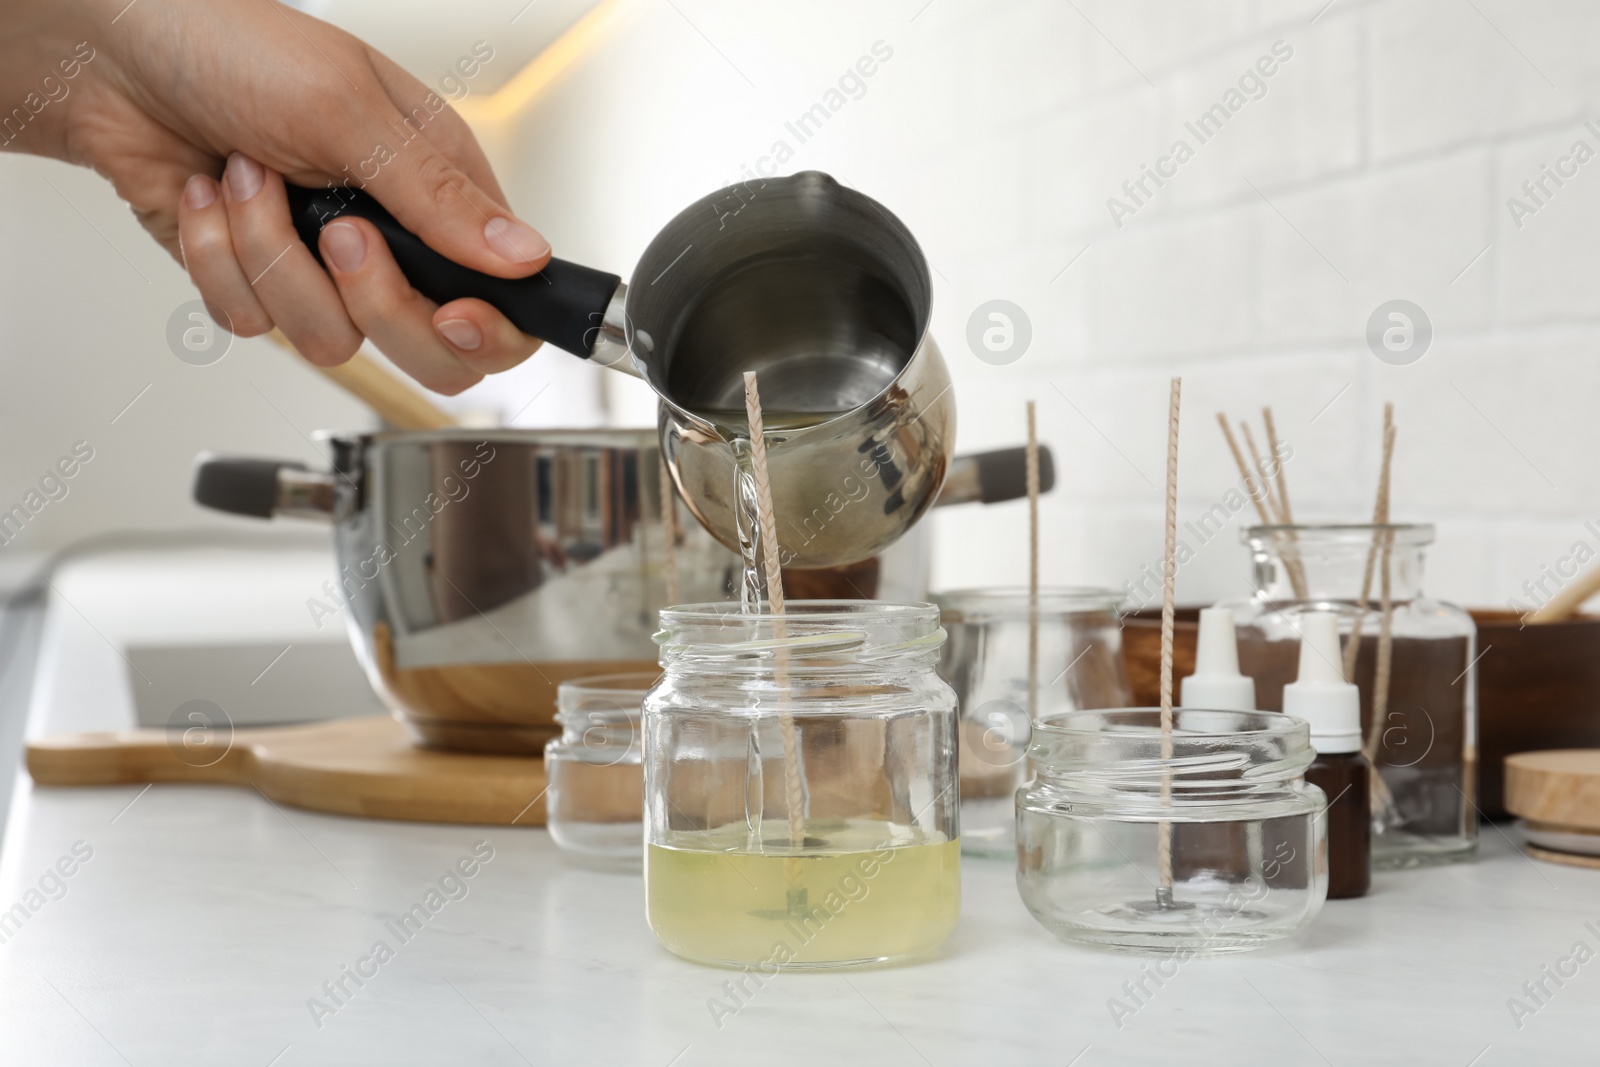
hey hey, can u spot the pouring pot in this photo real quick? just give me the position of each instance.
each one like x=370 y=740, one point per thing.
x=815 y=287
x=479 y=569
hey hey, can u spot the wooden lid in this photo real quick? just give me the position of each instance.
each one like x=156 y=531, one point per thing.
x=1560 y=789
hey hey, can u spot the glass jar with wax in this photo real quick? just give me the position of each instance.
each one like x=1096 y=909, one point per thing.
x=1413 y=658
x=801 y=802
x=1209 y=842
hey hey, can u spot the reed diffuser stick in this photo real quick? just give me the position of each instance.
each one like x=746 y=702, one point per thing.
x=1259 y=500
x=1292 y=560
x=1259 y=490
x=1283 y=483
x=1380 y=674
x=769 y=552
x=1169 y=581
x=1380 y=515
x=1260 y=468
x=1032 y=472
x=669 y=524
x=1384 y=665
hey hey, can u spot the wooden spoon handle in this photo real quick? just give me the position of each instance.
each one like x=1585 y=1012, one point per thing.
x=396 y=403
x=1570 y=597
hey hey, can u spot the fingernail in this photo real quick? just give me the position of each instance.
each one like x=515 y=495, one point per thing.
x=244 y=176
x=461 y=333
x=198 y=192
x=345 y=245
x=515 y=240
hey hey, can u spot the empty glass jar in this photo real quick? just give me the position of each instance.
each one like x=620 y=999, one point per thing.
x=800 y=786
x=986 y=660
x=1246 y=855
x=1421 y=732
x=595 y=802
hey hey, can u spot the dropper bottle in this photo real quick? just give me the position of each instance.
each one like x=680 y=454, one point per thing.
x=1216 y=682
x=1217 y=685
x=1332 y=706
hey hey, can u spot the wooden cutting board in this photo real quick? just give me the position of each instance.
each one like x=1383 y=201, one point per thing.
x=366 y=767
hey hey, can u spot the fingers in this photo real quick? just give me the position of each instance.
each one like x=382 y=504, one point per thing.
x=207 y=248
x=446 y=349
x=253 y=271
x=382 y=303
x=483 y=338
x=446 y=129
x=433 y=197
x=291 y=286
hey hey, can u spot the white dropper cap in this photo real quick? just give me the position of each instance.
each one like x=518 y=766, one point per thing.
x=1320 y=695
x=1216 y=682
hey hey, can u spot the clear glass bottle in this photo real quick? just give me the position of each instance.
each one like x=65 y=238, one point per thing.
x=986 y=660
x=1423 y=738
x=1248 y=841
x=595 y=802
x=800 y=786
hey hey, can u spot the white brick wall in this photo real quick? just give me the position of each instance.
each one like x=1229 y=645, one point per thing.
x=1389 y=142
x=1386 y=147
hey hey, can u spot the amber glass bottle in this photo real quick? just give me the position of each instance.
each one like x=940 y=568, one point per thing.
x=1344 y=777
x=1332 y=707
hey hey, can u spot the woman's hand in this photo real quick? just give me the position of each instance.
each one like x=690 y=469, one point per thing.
x=199 y=110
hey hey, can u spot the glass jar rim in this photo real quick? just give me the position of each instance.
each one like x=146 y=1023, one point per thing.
x=1137 y=722
x=601 y=688
x=1209 y=747
x=1011 y=601
x=830 y=632
x=620 y=682
x=720 y=612
x=1404 y=533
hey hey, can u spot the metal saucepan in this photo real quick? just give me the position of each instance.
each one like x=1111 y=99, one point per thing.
x=817 y=288
x=479 y=569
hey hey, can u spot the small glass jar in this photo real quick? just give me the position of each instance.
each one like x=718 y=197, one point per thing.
x=1247 y=835
x=1079 y=666
x=1423 y=740
x=595 y=802
x=800 y=786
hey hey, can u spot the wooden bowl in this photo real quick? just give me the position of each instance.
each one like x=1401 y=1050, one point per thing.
x=502 y=708
x=1538 y=688
x=1141 y=652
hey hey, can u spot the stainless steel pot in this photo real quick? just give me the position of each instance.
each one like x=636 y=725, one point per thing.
x=815 y=287
x=479 y=569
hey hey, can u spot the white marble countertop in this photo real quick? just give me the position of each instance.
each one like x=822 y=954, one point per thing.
x=206 y=918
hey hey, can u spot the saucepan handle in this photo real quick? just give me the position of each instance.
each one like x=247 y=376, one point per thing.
x=262 y=488
x=564 y=304
x=993 y=477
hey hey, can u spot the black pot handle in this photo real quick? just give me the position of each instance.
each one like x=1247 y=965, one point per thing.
x=1003 y=473
x=563 y=305
x=995 y=477
x=262 y=488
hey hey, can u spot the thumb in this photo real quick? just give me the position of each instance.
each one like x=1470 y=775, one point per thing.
x=433 y=198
